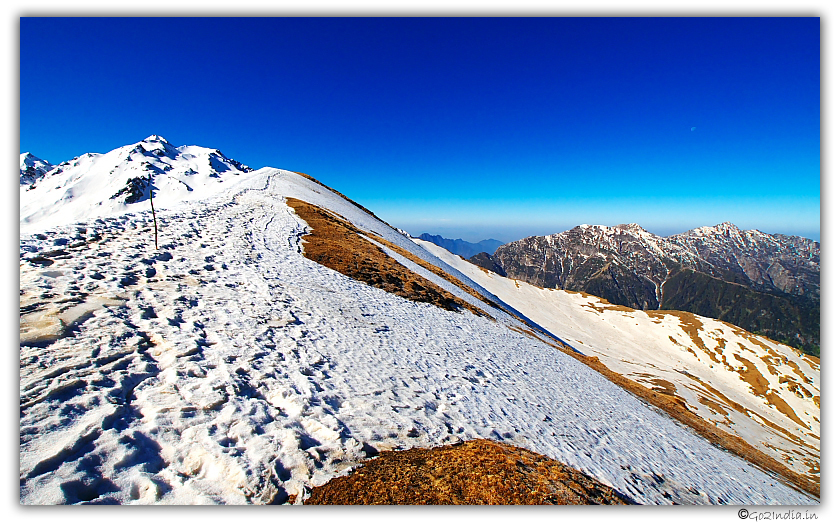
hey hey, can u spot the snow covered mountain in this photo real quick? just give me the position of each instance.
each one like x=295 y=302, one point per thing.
x=32 y=168
x=768 y=284
x=98 y=185
x=282 y=334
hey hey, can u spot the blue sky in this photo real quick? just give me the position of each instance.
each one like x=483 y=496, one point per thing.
x=469 y=128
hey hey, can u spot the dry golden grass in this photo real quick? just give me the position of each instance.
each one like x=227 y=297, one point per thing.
x=795 y=369
x=663 y=386
x=809 y=483
x=750 y=374
x=740 y=408
x=337 y=244
x=813 y=466
x=760 y=388
x=814 y=362
x=793 y=386
x=796 y=388
x=691 y=325
x=763 y=342
x=474 y=472
x=771 y=366
x=785 y=408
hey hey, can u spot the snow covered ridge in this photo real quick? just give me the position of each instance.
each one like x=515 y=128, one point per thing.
x=764 y=392
x=97 y=185
x=226 y=367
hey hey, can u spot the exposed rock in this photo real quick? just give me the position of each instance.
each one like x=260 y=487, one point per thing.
x=486 y=262
x=32 y=168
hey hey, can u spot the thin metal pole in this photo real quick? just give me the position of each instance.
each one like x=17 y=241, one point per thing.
x=151 y=201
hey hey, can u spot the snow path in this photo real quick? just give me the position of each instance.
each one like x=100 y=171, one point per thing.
x=228 y=368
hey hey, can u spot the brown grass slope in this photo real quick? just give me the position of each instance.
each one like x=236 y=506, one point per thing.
x=474 y=472
x=339 y=245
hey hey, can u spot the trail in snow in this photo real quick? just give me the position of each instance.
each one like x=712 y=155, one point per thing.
x=228 y=368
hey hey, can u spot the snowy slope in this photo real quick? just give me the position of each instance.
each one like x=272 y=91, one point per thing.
x=760 y=390
x=228 y=368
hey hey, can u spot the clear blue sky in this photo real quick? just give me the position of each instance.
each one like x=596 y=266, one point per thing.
x=470 y=128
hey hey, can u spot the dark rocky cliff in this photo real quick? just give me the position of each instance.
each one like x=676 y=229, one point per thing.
x=768 y=284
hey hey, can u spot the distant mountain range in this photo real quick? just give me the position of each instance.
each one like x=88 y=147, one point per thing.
x=462 y=248
x=767 y=284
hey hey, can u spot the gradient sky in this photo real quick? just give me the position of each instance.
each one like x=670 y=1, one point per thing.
x=472 y=128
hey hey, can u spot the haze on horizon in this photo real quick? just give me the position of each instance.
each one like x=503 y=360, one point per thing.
x=469 y=128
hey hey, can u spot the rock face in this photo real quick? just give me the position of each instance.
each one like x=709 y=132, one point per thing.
x=485 y=261
x=768 y=284
x=771 y=263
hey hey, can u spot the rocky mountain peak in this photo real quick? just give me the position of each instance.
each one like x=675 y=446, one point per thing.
x=32 y=168
x=633 y=228
x=726 y=229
